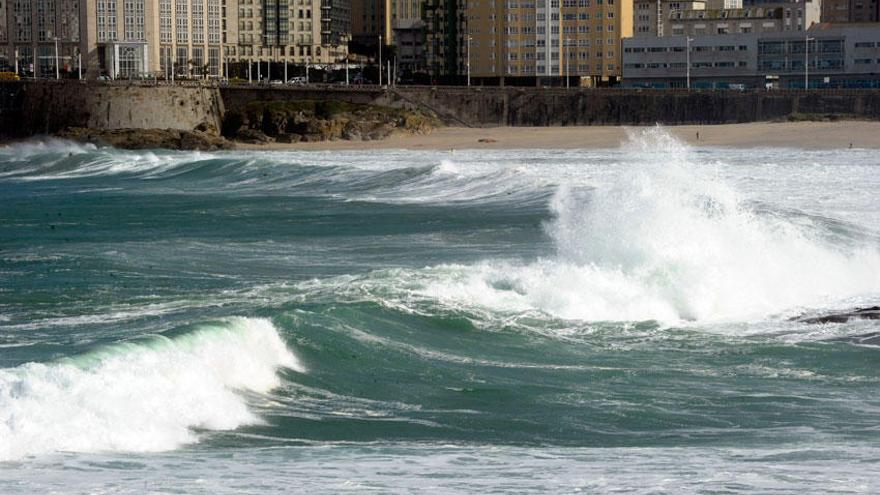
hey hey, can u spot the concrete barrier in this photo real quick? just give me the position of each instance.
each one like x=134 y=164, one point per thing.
x=47 y=107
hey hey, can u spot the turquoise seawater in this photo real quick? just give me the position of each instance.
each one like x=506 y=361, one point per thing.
x=618 y=320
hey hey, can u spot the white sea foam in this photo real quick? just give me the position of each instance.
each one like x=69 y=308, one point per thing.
x=144 y=396
x=683 y=243
x=664 y=238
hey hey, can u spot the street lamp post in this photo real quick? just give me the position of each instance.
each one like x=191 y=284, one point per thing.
x=269 y=64
x=307 y=69
x=469 y=60
x=807 y=41
x=346 y=70
x=380 y=60
x=565 y=50
x=57 y=69
x=688 y=60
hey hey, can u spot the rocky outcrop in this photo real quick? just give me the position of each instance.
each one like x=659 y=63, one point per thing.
x=137 y=139
x=872 y=313
x=310 y=121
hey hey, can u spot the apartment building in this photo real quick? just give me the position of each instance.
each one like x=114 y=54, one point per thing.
x=698 y=18
x=409 y=36
x=568 y=38
x=30 y=30
x=839 y=11
x=369 y=20
x=864 y=11
x=650 y=15
x=835 y=10
x=295 y=31
x=445 y=38
x=193 y=36
x=116 y=38
x=530 y=41
x=837 y=55
x=373 y=18
x=168 y=38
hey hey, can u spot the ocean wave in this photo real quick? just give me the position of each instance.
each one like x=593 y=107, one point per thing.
x=141 y=396
x=666 y=240
x=347 y=176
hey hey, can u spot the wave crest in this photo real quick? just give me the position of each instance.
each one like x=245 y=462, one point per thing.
x=143 y=396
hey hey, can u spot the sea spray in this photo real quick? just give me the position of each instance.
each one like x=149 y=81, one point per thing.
x=144 y=396
x=670 y=226
x=664 y=239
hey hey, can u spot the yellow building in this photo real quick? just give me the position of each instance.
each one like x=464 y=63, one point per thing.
x=295 y=31
x=547 y=39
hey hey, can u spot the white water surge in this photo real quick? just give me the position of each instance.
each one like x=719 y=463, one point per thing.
x=144 y=396
x=664 y=238
x=668 y=240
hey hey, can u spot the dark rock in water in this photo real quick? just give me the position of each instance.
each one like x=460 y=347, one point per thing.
x=872 y=313
x=140 y=139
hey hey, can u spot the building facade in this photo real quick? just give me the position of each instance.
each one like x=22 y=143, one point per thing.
x=373 y=18
x=835 y=10
x=409 y=38
x=30 y=31
x=649 y=16
x=532 y=41
x=294 y=31
x=115 y=36
x=696 y=18
x=445 y=39
x=168 y=38
x=830 y=55
x=193 y=36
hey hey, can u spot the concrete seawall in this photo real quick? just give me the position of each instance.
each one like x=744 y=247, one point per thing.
x=556 y=107
x=492 y=106
x=28 y=108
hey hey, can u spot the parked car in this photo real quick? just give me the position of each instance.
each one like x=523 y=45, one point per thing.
x=297 y=80
x=9 y=76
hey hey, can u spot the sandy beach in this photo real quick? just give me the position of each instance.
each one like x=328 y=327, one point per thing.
x=822 y=135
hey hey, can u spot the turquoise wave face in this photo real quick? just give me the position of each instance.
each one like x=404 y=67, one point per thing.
x=506 y=303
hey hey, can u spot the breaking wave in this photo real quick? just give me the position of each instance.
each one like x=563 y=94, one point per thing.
x=144 y=396
x=665 y=240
